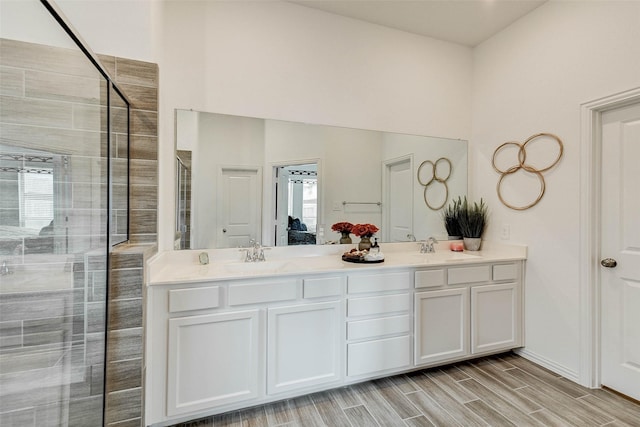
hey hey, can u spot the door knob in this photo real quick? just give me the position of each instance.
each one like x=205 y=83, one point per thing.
x=224 y=230
x=608 y=262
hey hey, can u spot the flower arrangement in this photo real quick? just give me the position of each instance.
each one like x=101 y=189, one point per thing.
x=364 y=230
x=342 y=227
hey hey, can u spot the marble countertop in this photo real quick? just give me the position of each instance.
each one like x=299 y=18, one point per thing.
x=173 y=267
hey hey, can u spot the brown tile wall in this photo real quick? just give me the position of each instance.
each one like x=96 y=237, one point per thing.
x=125 y=342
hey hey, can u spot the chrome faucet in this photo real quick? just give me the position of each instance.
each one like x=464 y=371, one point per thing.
x=4 y=270
x=255 y=252
x=426 y=247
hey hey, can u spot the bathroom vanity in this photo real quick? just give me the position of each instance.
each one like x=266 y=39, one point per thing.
x=230 y=334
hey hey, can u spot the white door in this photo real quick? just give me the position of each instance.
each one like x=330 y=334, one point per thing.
x=398 y=200
x=238 y=206
x=620 y=284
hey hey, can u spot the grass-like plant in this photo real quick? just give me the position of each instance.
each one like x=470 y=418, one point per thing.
x=473 y=218
x=451 y=217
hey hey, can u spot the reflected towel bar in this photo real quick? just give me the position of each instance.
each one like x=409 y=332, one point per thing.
x=362 y=203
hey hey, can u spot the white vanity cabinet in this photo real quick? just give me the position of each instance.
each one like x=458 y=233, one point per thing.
x=441 y=325
x=303 y=346
x=213 y=360
x=220 y=345
x=378 y=323
x=462 y=311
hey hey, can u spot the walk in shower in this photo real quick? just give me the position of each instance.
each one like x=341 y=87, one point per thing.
x=63 y=135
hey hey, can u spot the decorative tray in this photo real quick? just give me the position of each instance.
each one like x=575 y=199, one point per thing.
x=360 y=260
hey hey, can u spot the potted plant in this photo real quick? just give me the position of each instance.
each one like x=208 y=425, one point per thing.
x=451 y=217
x=472 y=220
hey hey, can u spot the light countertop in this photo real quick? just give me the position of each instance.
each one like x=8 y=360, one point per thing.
x=172 y=267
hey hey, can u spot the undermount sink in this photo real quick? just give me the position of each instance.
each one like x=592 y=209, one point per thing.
x=257 y=267
x=444 y=256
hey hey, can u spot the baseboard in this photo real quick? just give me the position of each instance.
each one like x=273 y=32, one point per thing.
x=549 y=364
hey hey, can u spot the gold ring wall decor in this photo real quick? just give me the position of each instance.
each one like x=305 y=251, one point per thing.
x=435 y=179
x=522 y=164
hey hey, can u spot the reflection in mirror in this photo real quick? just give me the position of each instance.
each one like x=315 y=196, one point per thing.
x=183 y=199
x=296 y=213
x=239 y=191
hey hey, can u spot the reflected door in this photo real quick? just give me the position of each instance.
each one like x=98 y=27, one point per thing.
x=238 y=206
x=399 y=200
x=282 y=206
x=621 y=243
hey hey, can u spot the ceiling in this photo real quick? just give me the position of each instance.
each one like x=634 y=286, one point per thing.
x=466 y=22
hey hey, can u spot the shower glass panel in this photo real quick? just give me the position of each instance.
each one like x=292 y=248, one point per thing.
x=55 y=153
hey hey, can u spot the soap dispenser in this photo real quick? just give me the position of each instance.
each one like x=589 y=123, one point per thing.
x=375 y=248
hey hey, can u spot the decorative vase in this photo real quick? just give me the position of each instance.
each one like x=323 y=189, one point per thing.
x=365 y=243
x=472 y=243
x=345 y=239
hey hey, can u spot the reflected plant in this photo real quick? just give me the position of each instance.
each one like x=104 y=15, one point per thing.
x=451 y=217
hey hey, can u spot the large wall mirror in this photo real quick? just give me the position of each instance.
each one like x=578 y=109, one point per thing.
x=285 y=183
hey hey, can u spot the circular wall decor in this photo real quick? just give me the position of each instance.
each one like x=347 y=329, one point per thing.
x=434 y=178
x=522 y=165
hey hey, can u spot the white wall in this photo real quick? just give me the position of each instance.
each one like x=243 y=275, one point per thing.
x=532 y=77
x=283 y=61
x=29 y=21
x=124 y=28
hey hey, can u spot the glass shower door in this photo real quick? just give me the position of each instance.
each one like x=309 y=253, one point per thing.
x=54 y=222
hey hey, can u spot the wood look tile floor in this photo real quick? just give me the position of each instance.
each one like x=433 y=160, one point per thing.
x=502 y=390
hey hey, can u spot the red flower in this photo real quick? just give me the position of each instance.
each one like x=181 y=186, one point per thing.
x=364 y=230
x=342 y=227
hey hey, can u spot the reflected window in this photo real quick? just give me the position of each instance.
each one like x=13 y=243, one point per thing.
x=36 y=198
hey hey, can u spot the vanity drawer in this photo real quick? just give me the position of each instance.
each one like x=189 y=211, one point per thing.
x=194 y=299
x=476 y=274
x=363 y=329
x=430 y=278
x=254 y=293
x=373 y=357
x=358 y=284
x=505 y=272
x=319 y=287
x=378 y=305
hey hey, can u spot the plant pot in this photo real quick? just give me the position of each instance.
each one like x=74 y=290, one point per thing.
x=455 y=237
x=365 y=243
x=345 y=239
x=472 y=243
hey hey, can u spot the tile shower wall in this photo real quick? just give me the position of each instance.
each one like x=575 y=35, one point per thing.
x=125 y=394
x=139 y=81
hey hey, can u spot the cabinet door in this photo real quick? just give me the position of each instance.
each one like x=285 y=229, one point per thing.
x=303 y=346
x=213 y=360
x=442 y=325
x=495 y=311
